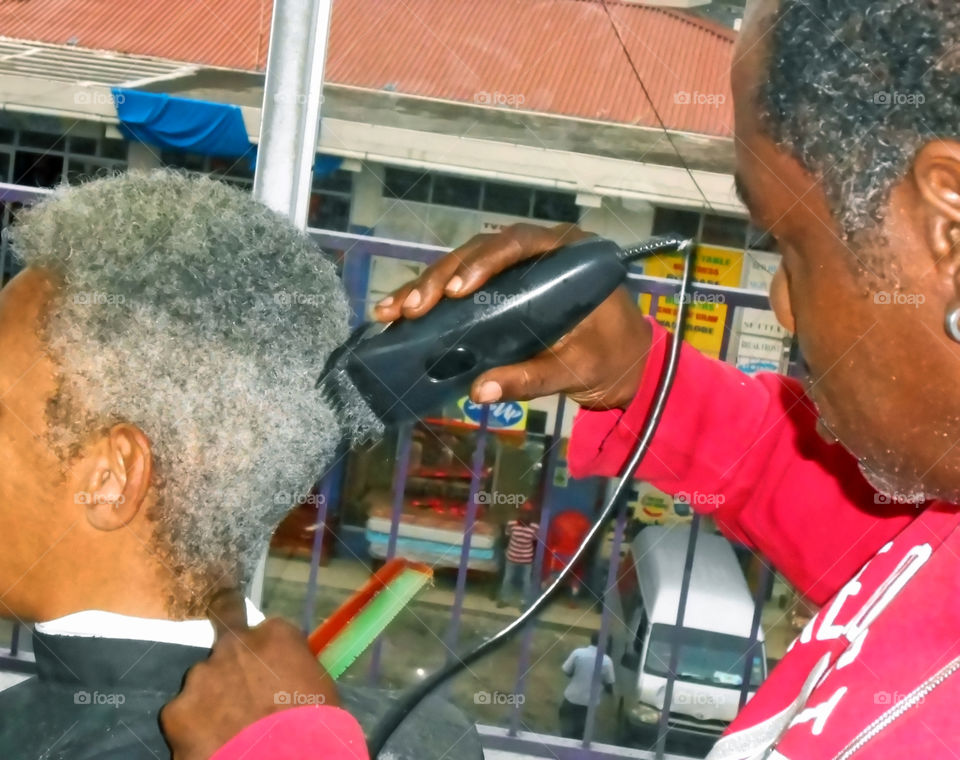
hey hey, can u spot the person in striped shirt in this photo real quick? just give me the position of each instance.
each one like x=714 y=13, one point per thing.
x=521 y=545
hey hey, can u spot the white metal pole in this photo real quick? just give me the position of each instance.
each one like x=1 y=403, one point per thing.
x=289 y=126
x=292 y=96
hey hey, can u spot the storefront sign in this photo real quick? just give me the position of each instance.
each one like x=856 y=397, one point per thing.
x=711 y=265
x=704 y=323
x=506 y=415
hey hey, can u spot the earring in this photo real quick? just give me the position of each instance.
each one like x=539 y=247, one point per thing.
x=951 y=321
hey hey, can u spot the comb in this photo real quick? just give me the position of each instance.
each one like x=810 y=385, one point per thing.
x=357 y=623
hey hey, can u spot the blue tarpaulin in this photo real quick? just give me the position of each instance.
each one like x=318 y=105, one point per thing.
x=182 y=124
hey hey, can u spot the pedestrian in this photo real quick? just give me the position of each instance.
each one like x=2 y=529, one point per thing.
x=521 y=546
x=576 y=697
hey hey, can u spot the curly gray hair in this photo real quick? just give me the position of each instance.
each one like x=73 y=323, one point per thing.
x=196 y=313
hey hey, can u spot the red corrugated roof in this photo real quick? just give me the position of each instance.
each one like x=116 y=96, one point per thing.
x=553 y=56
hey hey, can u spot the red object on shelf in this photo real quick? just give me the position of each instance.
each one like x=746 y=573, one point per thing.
x=564 y=536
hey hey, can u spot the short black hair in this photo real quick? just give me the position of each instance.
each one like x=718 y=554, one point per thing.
x=856 y=87
x=595 y=638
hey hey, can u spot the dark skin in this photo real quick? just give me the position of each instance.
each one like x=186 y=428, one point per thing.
x=882 y=374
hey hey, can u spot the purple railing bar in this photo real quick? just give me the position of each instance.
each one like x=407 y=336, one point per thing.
x=612 y=570
x=11 y=193
x=15 y=640
x=476 y=469
x=674 y=649
x=763 y=588
x=310 y=601
x=400 y=471
x=523 y=662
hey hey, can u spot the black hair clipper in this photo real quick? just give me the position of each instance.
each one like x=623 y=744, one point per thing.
x=413 y=366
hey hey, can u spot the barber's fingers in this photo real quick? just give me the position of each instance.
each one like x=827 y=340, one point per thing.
x=465 y=269
x=499 y=252
x=428 y=287
x=227 y=611
x=543 y=375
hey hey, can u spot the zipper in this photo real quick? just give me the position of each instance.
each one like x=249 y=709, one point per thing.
x=912 y=699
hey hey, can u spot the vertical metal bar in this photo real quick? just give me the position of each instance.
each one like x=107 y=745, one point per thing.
x=476 y=469
x=675 y=648
x=316 y=552
x=400 y=470
x=290 y=117
x=15 y=640
x=612 y=570
x=763 y=590
x=523 y=662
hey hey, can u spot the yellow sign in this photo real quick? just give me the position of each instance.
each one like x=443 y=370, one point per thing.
x=705 y=322
x=711 y=265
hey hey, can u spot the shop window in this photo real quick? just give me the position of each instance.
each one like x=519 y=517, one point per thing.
x=37 y=169
x=43 y=140
x=407 y=185
x=727 y=231
x=329 y=212
x=555 y=206
x=456 y=191
x=502 y=198
x=7 y=136
x=339 y=181
x=189 y=161
x=86 y=146
x=236 y=171
x=4 y=166
x=667 y=220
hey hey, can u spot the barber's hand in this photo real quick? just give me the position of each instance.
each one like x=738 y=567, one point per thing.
x=598 y=364
x=250 y=674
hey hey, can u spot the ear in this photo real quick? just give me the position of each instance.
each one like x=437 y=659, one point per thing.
x=936 y=172
x=117 y=478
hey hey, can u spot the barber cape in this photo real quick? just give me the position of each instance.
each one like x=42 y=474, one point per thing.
x=101 y=681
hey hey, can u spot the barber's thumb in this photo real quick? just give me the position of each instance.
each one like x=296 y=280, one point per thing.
x=516 y=382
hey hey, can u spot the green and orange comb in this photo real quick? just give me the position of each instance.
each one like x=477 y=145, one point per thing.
x=356 y=624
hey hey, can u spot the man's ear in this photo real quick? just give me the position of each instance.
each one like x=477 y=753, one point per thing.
x=118 y=478
x=936 y=171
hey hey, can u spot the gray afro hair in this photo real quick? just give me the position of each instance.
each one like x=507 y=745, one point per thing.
x=856 y=87
x=204 y=318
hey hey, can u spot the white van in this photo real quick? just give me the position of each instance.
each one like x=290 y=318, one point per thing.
x=713 y=642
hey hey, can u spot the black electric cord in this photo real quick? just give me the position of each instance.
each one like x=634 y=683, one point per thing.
x=409 y=700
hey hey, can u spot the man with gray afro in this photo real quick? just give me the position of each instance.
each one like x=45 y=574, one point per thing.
x=158 y=417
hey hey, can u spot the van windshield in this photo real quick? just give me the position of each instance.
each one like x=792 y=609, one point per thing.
x=716 y=659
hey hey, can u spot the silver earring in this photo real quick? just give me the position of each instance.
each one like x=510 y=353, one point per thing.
x=951 y=321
